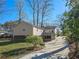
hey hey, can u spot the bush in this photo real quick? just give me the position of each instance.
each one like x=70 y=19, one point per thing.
x=35 y=40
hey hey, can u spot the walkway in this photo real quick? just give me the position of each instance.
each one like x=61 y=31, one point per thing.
x=57 y=46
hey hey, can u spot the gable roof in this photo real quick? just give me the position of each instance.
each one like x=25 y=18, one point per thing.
x=31 y=24
x=14 y=25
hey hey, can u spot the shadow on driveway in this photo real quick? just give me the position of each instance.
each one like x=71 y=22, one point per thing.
x=50 y=53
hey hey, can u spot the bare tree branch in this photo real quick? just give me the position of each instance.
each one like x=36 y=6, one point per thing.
x=32 y=4
x=2 y=4
x=19 y=7
x=45 y=9
x=40 y=10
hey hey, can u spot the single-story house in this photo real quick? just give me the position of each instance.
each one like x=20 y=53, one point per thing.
x=24 y=29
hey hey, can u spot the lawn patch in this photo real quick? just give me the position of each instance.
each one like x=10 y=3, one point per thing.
x=14 y=49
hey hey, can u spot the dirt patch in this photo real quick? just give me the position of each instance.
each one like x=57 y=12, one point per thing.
x=74 y=53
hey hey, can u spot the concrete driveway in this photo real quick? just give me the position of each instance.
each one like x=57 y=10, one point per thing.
x=58 y=46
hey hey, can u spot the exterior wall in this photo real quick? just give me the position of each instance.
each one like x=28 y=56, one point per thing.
x=49 y=34
x=53 y=36
x=23 y=29
x=58 y=31
x=37 y=31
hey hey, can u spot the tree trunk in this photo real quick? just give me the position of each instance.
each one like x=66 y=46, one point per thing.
x=42 y=21
x=33 y=18
x=38 y=12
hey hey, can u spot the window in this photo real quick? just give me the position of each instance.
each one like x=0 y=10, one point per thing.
x=52 y=31
x=23 y=29
x=47 y=37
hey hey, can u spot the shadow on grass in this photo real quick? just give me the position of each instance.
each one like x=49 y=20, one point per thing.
x=16 y=52
x=11 y=42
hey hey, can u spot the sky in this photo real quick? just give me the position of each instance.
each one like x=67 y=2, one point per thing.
x=10 y=12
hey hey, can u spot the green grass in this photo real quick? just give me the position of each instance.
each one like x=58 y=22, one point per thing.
x=14 y=49
x=14 y=46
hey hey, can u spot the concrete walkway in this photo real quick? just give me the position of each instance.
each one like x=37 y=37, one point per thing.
x=56 y=47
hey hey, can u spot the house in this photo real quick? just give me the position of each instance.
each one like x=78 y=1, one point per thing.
x=2 y=31
x=48 y=33
x=24 y=29
x=1 y=28
x=58 y=31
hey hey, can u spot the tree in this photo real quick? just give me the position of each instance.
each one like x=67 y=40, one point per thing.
x=40 y=9
x=19 y=7
x=32 y=4
x=72 y=3
x=45 y=9
x=63 y=23
x=10 y=24
x=71 y=25
x=73 y=21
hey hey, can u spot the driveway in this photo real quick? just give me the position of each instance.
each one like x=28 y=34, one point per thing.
x=58 y=46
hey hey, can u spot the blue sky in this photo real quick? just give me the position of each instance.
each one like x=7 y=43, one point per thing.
x=10 y=13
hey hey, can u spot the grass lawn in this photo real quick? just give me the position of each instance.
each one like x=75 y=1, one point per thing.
x=12 y=50
x=13 y=47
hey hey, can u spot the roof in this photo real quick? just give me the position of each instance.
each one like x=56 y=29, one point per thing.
x=32 y=25
x=50 y=27
x=38 y=27
x=13 y=25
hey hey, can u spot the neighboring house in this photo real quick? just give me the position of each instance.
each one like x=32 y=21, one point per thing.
x=48 y=33
x=2 y=31
x=58 y=31
x=24 y=29
x=2 y=28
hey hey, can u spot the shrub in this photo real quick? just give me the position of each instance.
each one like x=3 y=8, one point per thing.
x=35 y=40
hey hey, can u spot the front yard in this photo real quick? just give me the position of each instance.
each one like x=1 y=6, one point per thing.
x=14 y=49
x=9 y=50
